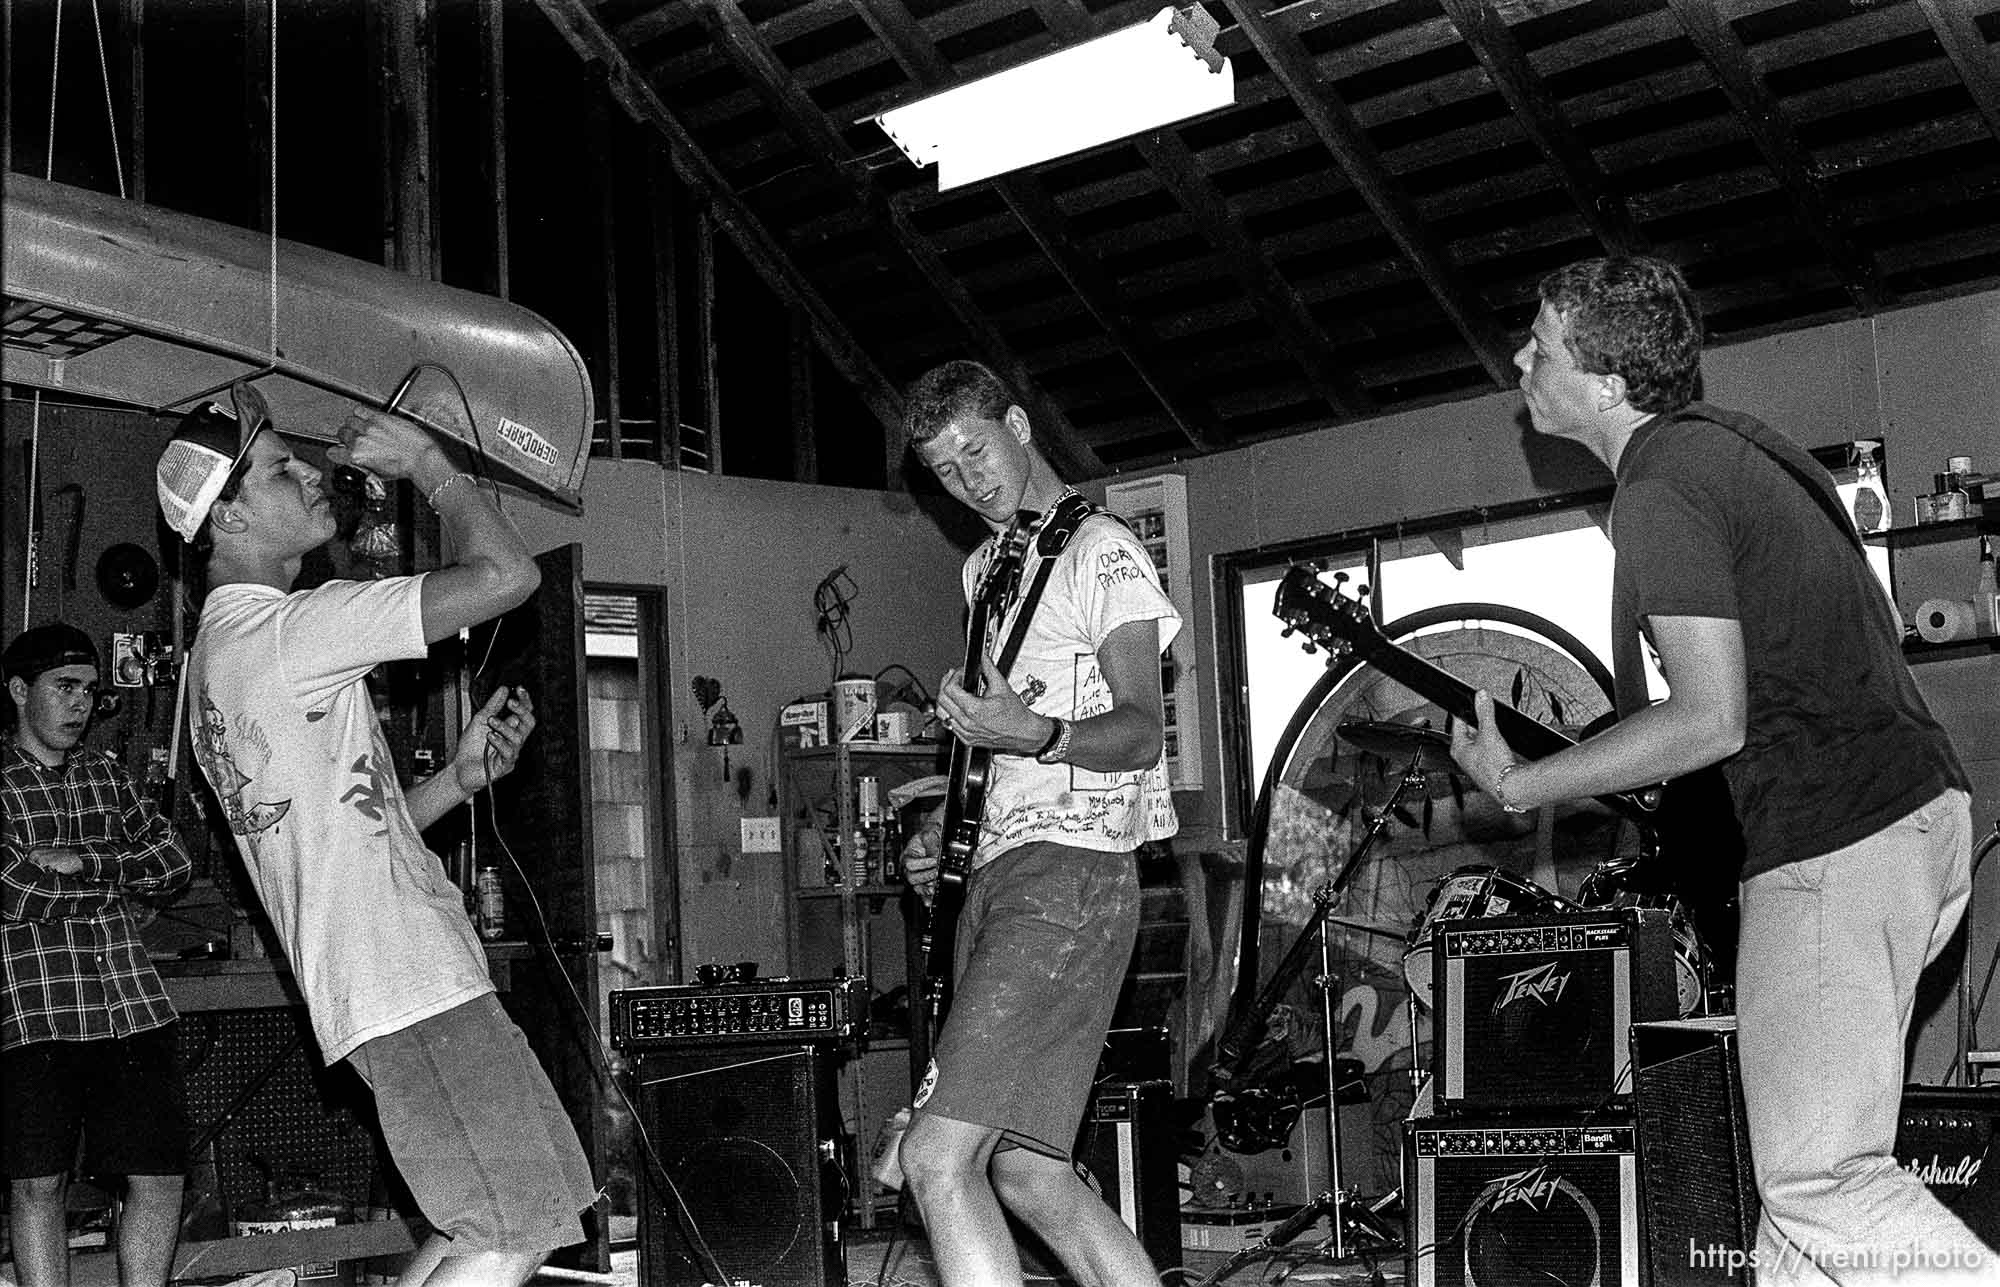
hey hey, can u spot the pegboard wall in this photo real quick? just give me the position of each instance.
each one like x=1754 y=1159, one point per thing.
x=308 y=1125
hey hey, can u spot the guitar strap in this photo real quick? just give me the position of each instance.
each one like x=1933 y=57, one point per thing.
x=1063 y=520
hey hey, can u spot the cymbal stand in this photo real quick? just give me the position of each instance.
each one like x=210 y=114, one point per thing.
x=1340 y=1209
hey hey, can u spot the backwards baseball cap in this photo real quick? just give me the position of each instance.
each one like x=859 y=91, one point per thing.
x=205 y=453
x=45 y=647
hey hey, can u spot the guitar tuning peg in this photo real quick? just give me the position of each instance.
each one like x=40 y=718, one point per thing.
x=1361 y=588
x=1310 y=647
x=1340 y=578
x=1286 y=633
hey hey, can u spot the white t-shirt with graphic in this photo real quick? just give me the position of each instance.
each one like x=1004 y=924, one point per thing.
x=1102 y=580
x=376 y=933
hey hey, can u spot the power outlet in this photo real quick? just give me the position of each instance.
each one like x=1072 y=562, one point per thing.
x=760 y=836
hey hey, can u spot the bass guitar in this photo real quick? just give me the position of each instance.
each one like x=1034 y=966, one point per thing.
x=965 y=799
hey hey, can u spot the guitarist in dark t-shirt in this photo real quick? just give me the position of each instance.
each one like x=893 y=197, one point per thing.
x=1075 y=784
x=1737 y=566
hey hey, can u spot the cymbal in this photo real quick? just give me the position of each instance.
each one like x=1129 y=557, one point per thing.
x=1368 y=927
x=1386 y=738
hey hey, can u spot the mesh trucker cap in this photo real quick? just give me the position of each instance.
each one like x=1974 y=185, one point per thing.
x=205 y=452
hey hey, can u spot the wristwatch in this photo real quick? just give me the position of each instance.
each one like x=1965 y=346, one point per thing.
x=1057 y=746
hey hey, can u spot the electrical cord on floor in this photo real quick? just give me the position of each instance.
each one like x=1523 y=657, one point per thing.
x=599 y=1063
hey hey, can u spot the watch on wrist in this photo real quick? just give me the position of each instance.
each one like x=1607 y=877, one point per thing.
x=1057 y=746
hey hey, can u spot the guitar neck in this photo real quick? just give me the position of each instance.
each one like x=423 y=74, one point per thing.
x=1525 y=734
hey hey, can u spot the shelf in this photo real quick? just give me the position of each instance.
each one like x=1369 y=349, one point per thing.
x=1926 y=533
x=860 y=891
x=896 y=750
x=1922 y=650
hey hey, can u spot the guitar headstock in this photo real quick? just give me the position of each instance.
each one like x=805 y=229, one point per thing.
x=997 y=581
x=1329 y=619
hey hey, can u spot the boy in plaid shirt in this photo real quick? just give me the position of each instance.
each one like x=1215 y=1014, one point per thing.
x=87 y=1036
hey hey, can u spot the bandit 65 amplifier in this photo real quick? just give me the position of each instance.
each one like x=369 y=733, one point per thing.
x=1533 y=1011
x=1503 y=1202
x=785 y=1011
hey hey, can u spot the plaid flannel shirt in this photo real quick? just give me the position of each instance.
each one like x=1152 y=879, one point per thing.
x=71 y=964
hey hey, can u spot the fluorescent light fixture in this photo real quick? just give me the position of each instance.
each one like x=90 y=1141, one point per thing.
x=1160 y=71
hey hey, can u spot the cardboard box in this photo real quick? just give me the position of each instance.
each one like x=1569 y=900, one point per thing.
x=803 y=725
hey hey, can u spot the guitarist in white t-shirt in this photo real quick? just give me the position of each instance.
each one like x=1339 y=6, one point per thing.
x=1075 y=784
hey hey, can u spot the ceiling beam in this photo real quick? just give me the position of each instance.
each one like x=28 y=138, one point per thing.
x=1967 y=49
x=746 y=50
x=1028 y=197
x=1492 y=42
x=1275 y=300
x=1763 y=117
x=580 y=27
x=1331 y=119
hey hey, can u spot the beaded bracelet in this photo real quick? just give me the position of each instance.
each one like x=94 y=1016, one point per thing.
x=432 y=495
x=1500 y=789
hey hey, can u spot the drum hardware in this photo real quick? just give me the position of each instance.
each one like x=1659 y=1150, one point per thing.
x=1385 y=737
x=1351 y=1220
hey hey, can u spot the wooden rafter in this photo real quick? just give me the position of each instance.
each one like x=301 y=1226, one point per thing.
x=580 y=27
x=746 y=50
x=1331 y=119
x=1276 y=302
x=1967 y=49
x=1541 y=117
x=1764 y=119
x=1038 y=213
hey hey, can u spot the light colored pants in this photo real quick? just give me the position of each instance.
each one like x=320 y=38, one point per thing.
x=1826 y=980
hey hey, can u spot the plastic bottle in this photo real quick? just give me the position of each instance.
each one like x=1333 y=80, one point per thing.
x=492 y=902
x=1986 y=590
x=1871 y=503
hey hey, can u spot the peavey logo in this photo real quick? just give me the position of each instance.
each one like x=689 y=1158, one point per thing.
x=1534 y=1188
x=1936 y=1174
x=1542 y=983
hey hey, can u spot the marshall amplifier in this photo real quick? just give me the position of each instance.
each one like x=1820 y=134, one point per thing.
x=1533 y=1011
x=1945 y=1136
x=783 y=1011
x=1502 y=1202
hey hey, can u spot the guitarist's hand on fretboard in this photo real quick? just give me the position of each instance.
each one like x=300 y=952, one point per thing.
x=1478 y=749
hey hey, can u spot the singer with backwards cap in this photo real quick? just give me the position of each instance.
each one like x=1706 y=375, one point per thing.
x=88 y=1039
x=394 y=976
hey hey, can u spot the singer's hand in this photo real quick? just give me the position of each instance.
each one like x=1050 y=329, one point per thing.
x=388 y=447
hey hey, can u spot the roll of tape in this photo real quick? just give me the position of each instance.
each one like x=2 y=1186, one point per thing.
x=1947 y=620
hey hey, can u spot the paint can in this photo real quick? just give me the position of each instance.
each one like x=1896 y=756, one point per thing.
x=854 y=708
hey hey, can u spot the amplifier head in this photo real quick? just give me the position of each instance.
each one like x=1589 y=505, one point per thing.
x=785 y=1011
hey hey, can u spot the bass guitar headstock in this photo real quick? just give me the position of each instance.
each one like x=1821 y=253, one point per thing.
x=1340 y=623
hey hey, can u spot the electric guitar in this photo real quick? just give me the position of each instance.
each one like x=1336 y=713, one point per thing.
x=965 y=800
x=1344 y=625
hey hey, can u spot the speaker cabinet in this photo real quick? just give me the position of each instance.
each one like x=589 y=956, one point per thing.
x=1695 y=1141
x=747 y=1135
x=1699 y=1190
x=1501 y=1202
x=1533 y=1011
x=1127 y=1143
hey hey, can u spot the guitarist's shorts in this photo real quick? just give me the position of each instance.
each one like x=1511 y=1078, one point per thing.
x=1043 y=944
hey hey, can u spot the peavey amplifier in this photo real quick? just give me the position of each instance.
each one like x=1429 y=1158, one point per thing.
x=1502 y=1202
x=1533 y=1011
x=783 y=1011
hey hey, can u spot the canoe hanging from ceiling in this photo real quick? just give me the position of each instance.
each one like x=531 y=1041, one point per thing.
x=154 y=308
